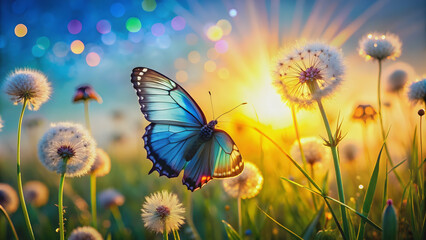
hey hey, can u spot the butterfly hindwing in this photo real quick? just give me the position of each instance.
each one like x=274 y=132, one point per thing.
x=166 y=145
x=163 y=101
x=217 y=158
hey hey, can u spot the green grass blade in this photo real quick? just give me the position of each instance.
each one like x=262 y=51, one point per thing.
x=279 y=224
x=399 y=164
x=335 y=219
x=230 y=231
x=300 y=185
x=310 y=230
x=368 y=200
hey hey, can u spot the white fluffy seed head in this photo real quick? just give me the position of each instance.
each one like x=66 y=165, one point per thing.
x=246 y=185
x=8 y=198
x=163 y=208
x=397 y=80
x=380 y=46
x=313 y=149
x=36 y=193
x=85 y=233
x=70 y=142
x=110 y=197
x=306 y=73
x=29 y=84
x=417 y=91
x=102 y=164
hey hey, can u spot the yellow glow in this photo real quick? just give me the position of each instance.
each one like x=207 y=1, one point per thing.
x=223 y=73
x=225 y=25
x=210 y=66
x=383 y=36
x=77 y=46
x=194 y=57
x=370 y=36
x=21 y=30
x=214 y=33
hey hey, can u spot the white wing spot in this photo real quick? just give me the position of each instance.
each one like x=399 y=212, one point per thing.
x=144 y=70
x=141 y=73
x=138 y=78
x=138 y=83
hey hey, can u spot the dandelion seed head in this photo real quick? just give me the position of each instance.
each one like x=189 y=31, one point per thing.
x=417 y=91
x=350 y=151
x=85 y=233
x=85 y=93
x=380 y=46
x=307 y=73
x=36 y=193
x=29 y=84
x=397 y=81
x=313 y=149
x=162 y=208
x=246 y=185
x=8 y=198
x=70 y=142
x=102 y=164
x=110 y=197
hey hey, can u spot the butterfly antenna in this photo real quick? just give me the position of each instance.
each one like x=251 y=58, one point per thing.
x=244 y=103
x=211 y=103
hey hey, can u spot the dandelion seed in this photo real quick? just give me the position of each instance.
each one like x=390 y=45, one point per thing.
x=313 y=148
x=162 y=208
x=36 y=193
x=85 y=93
x=27 y=84
x=8 y=198
x=308 y=73
x=70 y=142
x=397 y=81
x=85 y=233
x=110 y=197
x=102 y=164
x=364 y=112
x=417 y=91
x=380 y=46
x=246 y=185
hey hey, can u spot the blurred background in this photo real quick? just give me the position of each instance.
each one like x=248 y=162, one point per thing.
x=226 y=47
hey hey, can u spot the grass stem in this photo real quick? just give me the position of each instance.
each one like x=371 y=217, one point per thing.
x=10 y=222
x=93 y=199
x=60 y=207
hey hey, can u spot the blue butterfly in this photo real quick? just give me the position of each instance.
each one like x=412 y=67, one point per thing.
x=179 y=137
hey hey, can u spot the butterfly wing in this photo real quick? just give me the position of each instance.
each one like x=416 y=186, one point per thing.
x=217 y=158
x=163 y=101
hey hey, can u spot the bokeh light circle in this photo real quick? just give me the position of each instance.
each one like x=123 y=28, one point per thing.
x=103 y=26
x=77 y=47
x=182 y=76
x=117 y=9
x=194 y=57
x=164 y=41
x=133 y=24
x=221 y=46
x=60 y=49
x=225 y=25
x=74 y=26
x=37 y=51
x=21 y=30
x=214 y=33
x=178 y=23
x=209 y=66
x=109 y=38
x=149 y=5
x=233 y=12
x=158 y=29
x=43 y=42
x=93 y=59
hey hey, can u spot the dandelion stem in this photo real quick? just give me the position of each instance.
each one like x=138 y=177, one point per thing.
x=421 y=142
x=379 y=100
x=60 y=206
x=165 y=235
x=10 y=222
x=18 y=168
x=93 y=199
x=117 y=216
x=86 y=115
x=189 y=216
x=240 y=219
x=333 y=146
x=365 y=140
x=302 y=154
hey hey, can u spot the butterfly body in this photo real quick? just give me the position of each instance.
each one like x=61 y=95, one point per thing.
x=179 y=137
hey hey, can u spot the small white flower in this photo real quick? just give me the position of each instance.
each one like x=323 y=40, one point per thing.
x=36 y=193
x=8 y=198
x=380 y=46
x=308 y=73
x=313 y=148
x=162 y=208
x=85 y=233
x=110 y=197
x=102 y=164
x=29 y=84
x=246 y=185
x=69 y=147
x=417 y=91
